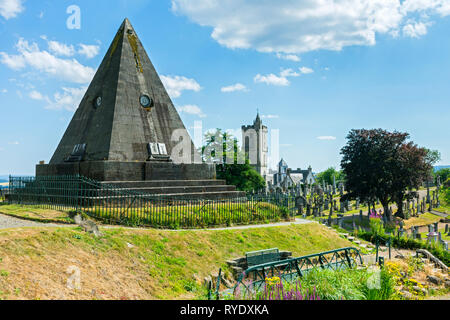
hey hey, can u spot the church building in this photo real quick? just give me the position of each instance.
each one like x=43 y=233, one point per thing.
x=254 y=144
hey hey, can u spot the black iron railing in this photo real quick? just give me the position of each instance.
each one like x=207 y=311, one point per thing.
x=117 y=205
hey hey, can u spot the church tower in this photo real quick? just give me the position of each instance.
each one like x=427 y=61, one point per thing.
x=254 y=144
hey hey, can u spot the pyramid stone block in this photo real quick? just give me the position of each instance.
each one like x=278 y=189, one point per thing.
x=126 y=108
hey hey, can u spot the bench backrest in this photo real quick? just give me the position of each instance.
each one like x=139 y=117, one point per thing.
x=255 y=258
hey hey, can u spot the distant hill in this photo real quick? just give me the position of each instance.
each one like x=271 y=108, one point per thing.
x=437 y=168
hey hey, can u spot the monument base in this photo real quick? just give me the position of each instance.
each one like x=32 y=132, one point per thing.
x=129 y=171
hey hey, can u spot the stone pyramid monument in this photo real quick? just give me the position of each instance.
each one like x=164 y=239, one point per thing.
x=126 y=127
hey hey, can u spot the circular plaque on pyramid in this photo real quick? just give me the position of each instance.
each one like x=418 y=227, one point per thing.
x=146 y=101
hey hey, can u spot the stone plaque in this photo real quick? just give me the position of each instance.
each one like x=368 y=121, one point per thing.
x=153 y=149
x=162 y=149
x=77 y=153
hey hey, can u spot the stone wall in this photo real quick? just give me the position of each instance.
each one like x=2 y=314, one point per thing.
x=129 y=171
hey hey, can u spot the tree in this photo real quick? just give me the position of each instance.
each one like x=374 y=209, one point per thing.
x=222 y=149
x=443 y=173
x=327 y=176
x=433 y=157
x=381 y=164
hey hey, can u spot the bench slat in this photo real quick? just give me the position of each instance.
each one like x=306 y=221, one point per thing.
x=262 y=256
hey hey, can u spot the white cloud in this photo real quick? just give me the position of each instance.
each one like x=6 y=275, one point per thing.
x=31 y=56
x=35 y=95
x=175 y=85
x=270 y=116
x=13 y=62
x=415 y=29
x=61 y=49
x=289 y=73
x=235 y=87
x=306 y=70
x=272 y=79
x=4 y=91
x=291 y=57
x=10 y=8
x=69 y=99
x=296 y=26
x=326 y=138
x=192 y=109
x=14 y=143
x=89 y=51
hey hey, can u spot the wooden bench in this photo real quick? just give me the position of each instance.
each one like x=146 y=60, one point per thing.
x=255 y=258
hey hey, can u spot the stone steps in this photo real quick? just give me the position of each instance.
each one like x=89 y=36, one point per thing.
x=173 y=196
x=173 y=189
x=181 y=189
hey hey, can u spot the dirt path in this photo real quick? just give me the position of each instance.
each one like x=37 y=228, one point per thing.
x=7 y=222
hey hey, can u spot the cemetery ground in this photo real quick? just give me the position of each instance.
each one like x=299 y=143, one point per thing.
x=421 y=220
x=36 y=263
x=127 y=263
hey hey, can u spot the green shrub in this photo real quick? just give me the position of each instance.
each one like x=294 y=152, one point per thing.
x=348 y=284
x=410 y=244
x=386 y=290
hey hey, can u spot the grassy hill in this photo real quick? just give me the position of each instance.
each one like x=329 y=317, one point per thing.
x=137 y=264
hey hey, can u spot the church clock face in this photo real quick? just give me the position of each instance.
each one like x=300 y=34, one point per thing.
x=98 y=102
x=145 y=101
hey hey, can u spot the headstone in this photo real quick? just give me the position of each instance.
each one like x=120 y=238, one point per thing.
x=334 y=184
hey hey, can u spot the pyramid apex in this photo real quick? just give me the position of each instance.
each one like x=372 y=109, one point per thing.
x=127 y=24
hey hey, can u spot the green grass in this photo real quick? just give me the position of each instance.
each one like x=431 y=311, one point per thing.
x=35 y=213
x=328 y=284
x=444 y=196
x=154 y=264
x=422 y=220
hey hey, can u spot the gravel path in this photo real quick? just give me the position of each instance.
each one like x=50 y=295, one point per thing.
x=7 y=222
x=254 y=226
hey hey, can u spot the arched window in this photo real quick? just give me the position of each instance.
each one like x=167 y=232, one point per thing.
x=247 y=145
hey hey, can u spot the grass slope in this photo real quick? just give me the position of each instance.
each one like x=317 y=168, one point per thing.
x=34 y=213
x=137 y=264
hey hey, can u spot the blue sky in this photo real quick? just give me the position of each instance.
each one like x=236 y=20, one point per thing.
x=314 y=69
